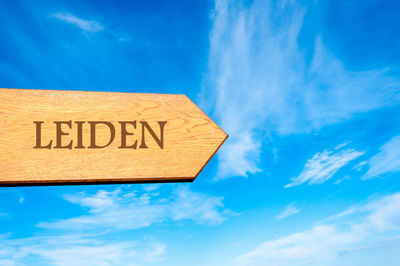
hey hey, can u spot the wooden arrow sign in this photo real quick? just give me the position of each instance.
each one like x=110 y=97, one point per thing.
x=70 y=137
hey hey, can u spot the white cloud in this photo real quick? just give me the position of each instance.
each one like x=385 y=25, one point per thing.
x=151 y=187
x=85 y=240
x=77 y=250
x=288 y=211
x=19 y=196
x=386 y=161
x=156 y=252
x=124 y=209
x=85 y=25
x=359 y=166
x=340 y=180
x=119 y=210
x=324 y=165
x=347 y=232
x=260 y=82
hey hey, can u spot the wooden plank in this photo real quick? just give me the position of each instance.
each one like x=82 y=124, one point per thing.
x=46 y=137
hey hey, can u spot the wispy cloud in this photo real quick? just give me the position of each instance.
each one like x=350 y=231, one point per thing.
x=124 y=209
x=85 y=25
x=386 y=161
x=359 y=166
x=260 y=81
x=19 y=196
x=156 y=252
x=348 y=232
x=78 y=250
x=121 y=210
x=340 y=180
x=288 y=211
x=323 y=166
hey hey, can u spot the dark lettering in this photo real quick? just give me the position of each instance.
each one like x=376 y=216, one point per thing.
x=39 y=136
x=79 y=144
x=60 y=133
x=125 y=133
x=93 y=124
x=160 y=141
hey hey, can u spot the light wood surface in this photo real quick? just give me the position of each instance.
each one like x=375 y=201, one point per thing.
x=190 y=138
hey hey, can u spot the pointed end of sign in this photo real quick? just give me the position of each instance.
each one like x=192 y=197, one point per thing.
x=212 y=155
x=222 y=136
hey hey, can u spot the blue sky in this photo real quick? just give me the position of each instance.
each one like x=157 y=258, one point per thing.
x=308 y=92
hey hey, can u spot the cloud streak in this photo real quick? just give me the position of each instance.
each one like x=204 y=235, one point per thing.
x=120 y=210
x=85 y=25
x=78 y=250
x=261 y=83
x=386 y=161
x=323 y=166
x=323 y=243
x=124 y=209
x=84 y=240
x=288 y=211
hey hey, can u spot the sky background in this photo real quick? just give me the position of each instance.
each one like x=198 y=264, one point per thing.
x=308 y=92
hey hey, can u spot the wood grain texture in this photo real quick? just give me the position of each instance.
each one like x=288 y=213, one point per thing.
x=191 y=138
